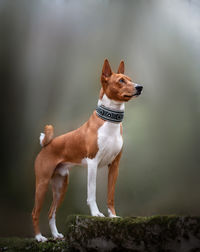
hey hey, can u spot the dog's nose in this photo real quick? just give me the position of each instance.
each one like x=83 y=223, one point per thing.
x=138 y=87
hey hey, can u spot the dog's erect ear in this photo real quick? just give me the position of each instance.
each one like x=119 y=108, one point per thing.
x=121 y=68
x=106 y=71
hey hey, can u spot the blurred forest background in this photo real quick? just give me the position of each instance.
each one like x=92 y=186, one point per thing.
x=52 y=52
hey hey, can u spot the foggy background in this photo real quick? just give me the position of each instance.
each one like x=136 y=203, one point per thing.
x=51 y=54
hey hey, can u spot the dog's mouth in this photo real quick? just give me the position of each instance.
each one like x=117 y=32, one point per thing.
x=132 y=95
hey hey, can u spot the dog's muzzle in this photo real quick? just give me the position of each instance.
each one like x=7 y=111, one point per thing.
x=138 y=88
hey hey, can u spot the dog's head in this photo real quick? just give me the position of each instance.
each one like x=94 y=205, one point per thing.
x=118 y=86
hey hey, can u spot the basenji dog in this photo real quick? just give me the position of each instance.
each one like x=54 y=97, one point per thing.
x=97 y=143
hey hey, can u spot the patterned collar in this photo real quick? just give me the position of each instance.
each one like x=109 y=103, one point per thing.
x=107 y=114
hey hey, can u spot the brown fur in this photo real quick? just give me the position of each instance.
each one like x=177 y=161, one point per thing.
x=112 y=87
x=112 y=178
x=62 y=190
x=49 y=133
x=71 y=147
x=76 y=145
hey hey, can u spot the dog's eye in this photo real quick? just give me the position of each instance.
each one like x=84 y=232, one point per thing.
x=122 y=80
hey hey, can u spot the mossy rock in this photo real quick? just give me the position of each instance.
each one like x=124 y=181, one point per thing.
x=138 y=234
x=22 y=245
x=141 y=234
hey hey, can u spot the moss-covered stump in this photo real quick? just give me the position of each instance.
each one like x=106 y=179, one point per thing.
x=138 y=234
x=156 y=234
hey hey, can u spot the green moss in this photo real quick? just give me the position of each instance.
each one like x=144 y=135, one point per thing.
x=18 y=244
x=86 y=233
x=139 y=233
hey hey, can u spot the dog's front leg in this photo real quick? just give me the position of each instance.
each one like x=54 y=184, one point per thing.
x=91 y=188
x=112 y=178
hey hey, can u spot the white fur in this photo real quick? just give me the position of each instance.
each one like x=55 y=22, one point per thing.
x=112 y=215
x=105 y=101
x=110 y=144
x=40 y=238
x=57 y=183
x=54 y=231
x=63 y=169
x=109 y=137
x=42 y=135
x=91 y=186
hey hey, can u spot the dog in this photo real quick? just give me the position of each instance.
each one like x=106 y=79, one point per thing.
x=97 y=143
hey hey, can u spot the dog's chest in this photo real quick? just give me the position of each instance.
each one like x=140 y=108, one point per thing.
x=109 y=143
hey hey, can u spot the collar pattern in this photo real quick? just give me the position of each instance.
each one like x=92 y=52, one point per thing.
x=107 y=114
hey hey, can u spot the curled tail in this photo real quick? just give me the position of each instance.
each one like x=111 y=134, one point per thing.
x=47 y=136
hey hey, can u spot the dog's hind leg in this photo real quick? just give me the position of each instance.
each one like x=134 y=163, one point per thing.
x=43 y=171
x=41 y=188
x=59 y=187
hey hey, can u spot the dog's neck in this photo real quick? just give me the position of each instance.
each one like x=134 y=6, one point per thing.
x=111 y=104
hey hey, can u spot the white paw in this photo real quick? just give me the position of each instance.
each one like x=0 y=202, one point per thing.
x=58 y=236
x=94 y=210
x=98 y=214
x=111 y=215
x=40 y=238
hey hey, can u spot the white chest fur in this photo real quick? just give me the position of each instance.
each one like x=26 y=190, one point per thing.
x=109 y=142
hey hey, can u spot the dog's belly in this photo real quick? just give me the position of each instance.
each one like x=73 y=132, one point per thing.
x=63 y=169
x=109 y=142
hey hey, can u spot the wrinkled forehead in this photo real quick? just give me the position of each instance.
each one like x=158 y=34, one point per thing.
x=117 y=77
